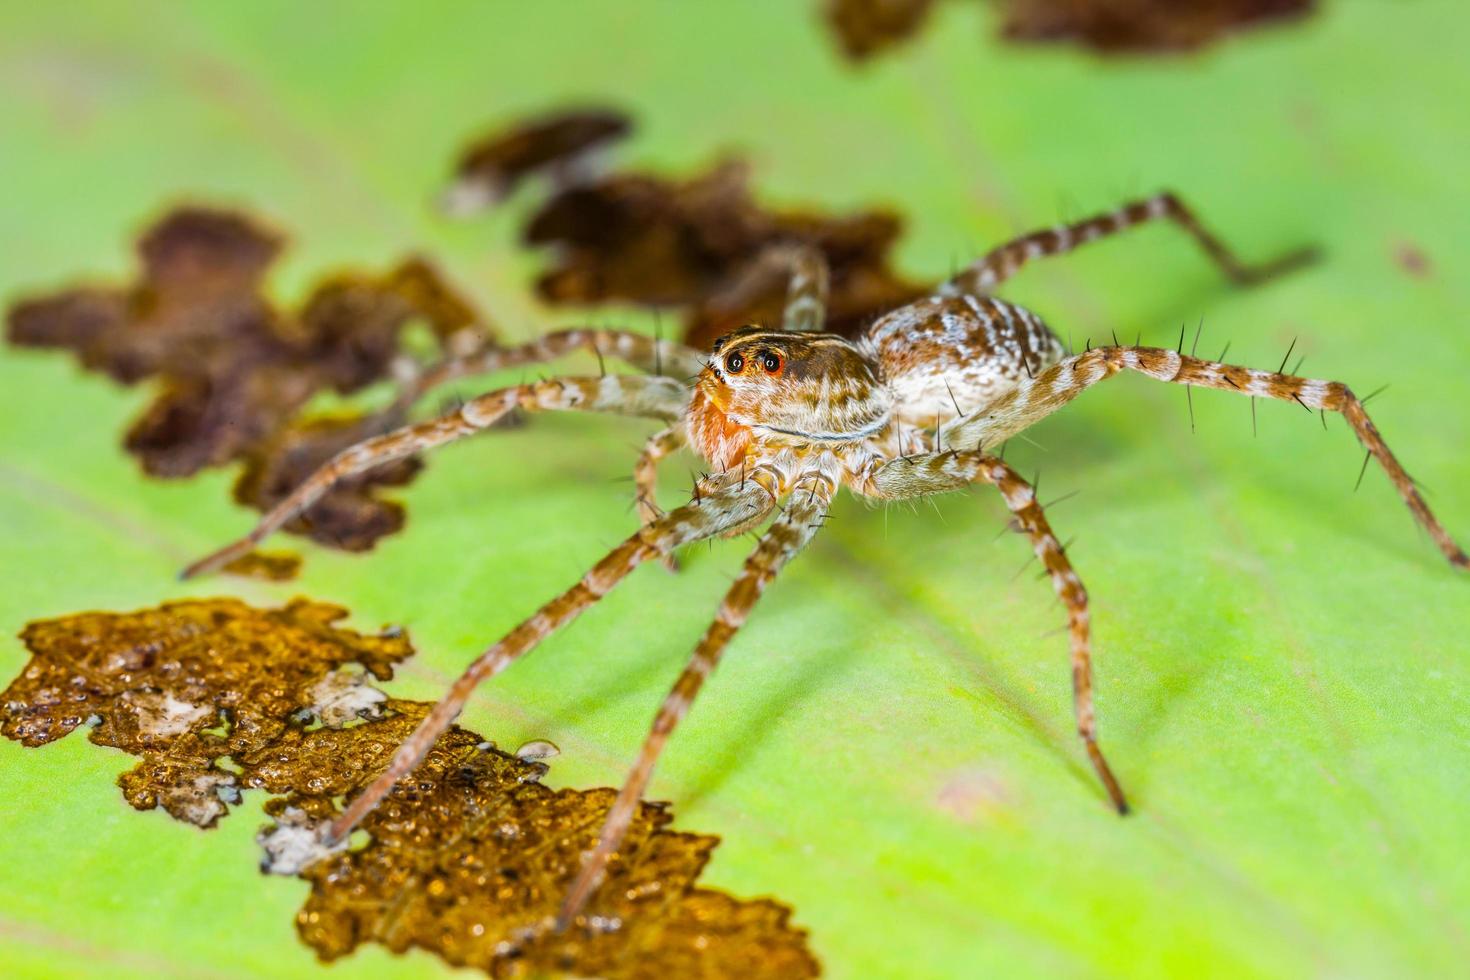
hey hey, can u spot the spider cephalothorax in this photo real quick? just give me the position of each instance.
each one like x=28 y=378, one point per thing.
x=787 y=416
x=765 y=389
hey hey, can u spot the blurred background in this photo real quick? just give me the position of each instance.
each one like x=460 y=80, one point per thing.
x=1282 y=679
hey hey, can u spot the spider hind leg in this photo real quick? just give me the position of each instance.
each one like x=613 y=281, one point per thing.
x=1037 y=398
x=998 y=265
x=942 y=472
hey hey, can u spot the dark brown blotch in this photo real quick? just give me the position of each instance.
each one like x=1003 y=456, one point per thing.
x=233 y=371
x=864 y=28
x=557 y=145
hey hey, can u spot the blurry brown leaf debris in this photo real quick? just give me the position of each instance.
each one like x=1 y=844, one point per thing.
x=1140 y=25
x=705 y=244
x=864 y=28
x=234 y=370
x=468 y=861
x=351 y=516
x=273 y=566
x=561 y=145
x=702 y=244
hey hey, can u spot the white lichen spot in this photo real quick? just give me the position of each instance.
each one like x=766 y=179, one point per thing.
x=200 y=799
x=537 y=750
x=294 y=843
x=469 y=196
x=163 y=715
x=343 y=696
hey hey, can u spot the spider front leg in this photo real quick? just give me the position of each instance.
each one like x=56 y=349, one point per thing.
x=659 y=397
x=785 y=537
x=649 y=354
x=918 y=476
x=645 y=478
x=1001 y=263
x=1035 y=398
x=725 y=504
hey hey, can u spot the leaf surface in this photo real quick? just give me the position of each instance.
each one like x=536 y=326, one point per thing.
x=1283 y=665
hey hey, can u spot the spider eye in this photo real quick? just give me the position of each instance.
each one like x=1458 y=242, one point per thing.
x=734 y=363
x=771 y=361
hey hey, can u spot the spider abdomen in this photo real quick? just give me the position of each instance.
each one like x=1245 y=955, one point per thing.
x=949 y=354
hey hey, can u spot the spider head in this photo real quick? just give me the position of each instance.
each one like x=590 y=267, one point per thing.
x=766 y=386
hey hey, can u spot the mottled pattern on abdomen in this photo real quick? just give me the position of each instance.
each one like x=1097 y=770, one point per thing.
x=968 y=350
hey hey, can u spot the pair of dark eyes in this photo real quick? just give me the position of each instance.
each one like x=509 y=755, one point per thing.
x=735 y=363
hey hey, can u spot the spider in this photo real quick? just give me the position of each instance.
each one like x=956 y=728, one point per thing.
x=786 y=417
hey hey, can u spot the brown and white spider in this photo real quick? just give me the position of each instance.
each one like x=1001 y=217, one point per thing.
x=790 y=415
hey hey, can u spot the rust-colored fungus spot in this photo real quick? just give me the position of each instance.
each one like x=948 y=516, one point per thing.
x=700 y=244
x=184 y=686
x=864 y=28
x=234 y=370
x=468 y=860
x=560 y=145
x=1413 y=260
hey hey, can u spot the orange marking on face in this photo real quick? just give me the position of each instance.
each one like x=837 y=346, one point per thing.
x=717 y=437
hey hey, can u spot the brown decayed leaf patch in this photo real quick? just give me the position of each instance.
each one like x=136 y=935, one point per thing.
x=468 y=860
x=233 y=370
x=183 y=686
x=704 y=244
x=559 y=145
x=700 y=243
x=352 y=516
x=1141 y=25
x=864 y=28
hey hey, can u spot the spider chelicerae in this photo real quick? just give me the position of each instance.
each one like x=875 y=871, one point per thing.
x=785 y=417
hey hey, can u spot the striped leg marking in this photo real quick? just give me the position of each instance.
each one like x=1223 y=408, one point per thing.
x=658 y=397
x=1036 y=398
x=806 y=294
x=645 y=478
x=917 y=476
x=802 y=518
x=1003 y=262
x=727 y=505
x=647 y=354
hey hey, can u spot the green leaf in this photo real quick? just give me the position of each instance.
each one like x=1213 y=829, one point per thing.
x=1282 y=664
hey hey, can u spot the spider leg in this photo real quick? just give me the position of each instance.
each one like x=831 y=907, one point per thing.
x=786 y=536
x=725 y=504
x=657 y=396
x=1035 y=398
x=806 y=294
x=902 y=479
x=1001 y=263
x=806 y=290
x=653 y=355
x=645 y=476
